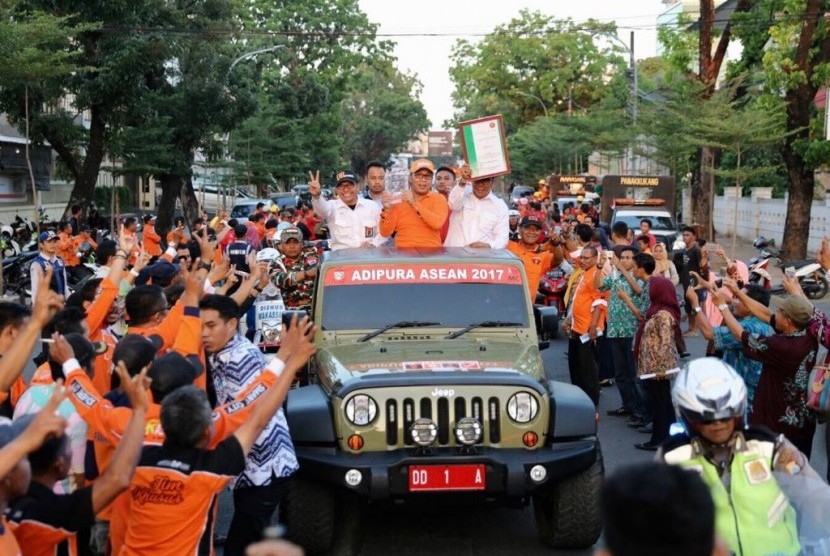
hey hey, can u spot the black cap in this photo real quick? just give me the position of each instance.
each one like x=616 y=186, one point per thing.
x=171 y=371
x=85 y=351
x=346 y=176
x=531 y=220
x=136 y=351
x=445 y=168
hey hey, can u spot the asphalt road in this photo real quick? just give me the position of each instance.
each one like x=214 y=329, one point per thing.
x=444 y=530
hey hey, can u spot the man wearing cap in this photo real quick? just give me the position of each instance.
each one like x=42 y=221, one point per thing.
x=286 y=218
x=48 y=242
x=536 y=260
x=353 y=220
x=375 y=182
x=300 y=264
x=787 y=358
x=479 y=218
x=150 y=237
x=417 y=219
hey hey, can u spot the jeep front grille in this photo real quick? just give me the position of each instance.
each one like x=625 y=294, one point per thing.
x=444 y=413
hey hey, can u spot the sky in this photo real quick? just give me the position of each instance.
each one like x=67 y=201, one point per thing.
x=429 y=56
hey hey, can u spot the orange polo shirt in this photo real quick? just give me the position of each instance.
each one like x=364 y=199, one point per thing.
x=417 y=225
x=585 y=298
x=152 y=241
x=536 y=263
x=67 y=249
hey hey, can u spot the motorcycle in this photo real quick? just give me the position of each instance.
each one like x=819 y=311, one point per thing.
x=811 y=276
x=552 y=287
x=16 y=278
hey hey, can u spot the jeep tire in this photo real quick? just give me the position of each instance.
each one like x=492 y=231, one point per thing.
x=322 y=520
x=568 y=515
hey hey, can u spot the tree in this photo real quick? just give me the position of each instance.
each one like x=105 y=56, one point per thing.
x=710 y=57
x=381 y=114
x=300 y=94
x=532 y=66
x=35 y=46
x=109 y=59
x=792 y=49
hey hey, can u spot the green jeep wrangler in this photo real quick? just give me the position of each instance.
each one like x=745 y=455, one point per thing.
x=428 y=379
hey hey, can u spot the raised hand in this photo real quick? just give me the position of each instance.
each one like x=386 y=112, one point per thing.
x=47 y=301
x=314 y=186
x=60 y=351
x=125 y=243
x=134 y=387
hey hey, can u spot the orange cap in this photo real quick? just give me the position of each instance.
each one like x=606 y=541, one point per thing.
x=422 y=164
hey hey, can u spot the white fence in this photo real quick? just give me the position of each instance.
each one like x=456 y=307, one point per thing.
x=759 y=215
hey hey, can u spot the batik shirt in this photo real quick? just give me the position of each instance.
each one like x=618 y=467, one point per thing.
x=621 y=323
x=733 y=352
x=232 y=369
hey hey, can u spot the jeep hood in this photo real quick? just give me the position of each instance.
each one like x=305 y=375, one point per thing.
x=343 y=363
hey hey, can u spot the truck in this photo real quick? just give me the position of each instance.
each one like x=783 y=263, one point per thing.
x=631 y=199
x=428 y=382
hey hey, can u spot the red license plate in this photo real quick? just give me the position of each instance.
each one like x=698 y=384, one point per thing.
x=446 y=477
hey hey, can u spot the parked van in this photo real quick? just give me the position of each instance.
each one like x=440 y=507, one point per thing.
x=242 y=209
x=211 y=197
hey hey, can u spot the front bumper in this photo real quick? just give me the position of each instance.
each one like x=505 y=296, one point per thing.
x=385 y=474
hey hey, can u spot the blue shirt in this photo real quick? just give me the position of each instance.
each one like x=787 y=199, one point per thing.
x=733 y=352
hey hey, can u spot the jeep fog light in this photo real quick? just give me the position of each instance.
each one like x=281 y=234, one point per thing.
x=468 y=431
x=353 y=477
x=522 y=407
x=424 y=432
x=538 y=473
x=361 y=410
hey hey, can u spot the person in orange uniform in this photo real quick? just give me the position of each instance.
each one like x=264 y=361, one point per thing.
x=584 y=323
x=536 y=259
x=178 y=234
x=150 y=237
x=43 y=520
x=417 y=219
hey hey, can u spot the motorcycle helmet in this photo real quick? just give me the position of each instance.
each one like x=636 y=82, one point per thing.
x=706 y=390
x=268 y=255
x=513 y=213
x=7 y=231
x=760 y=242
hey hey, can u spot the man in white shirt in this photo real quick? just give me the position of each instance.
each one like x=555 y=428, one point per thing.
x=353 y=221
x=479 y=218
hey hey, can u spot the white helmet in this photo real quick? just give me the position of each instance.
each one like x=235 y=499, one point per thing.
x=268 y=255
x=513 y=213
x=7 y=230
x=707 y=389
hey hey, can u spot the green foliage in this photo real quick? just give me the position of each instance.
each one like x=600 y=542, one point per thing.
x=103 y=198
x=532 y=65
x=381 y=114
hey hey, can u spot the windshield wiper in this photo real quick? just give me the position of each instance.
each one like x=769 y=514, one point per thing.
x=401 y=324
x=483 y=324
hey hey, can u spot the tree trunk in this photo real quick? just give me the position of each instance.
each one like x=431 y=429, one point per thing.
x=87 y=176
x=190 y=206
x=171 y=186
x=703 y=185
x=802 y=181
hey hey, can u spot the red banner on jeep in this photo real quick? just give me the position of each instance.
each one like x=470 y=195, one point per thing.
x=423 y=274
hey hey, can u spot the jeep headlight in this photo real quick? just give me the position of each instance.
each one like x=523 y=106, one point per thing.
x=522 y=407
x=271 y=333
x=361 y=410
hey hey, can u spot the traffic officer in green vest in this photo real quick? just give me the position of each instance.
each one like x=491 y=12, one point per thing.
x=736 y=461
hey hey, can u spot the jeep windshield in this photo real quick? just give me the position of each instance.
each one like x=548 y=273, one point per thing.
x=372 y=297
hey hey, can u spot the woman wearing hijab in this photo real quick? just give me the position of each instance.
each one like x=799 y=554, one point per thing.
x=656 y=353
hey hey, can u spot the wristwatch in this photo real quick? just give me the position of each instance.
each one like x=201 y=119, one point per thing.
x=723 y=307
x=697 y=309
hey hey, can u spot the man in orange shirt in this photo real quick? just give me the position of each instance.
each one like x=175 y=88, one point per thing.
x=536 y=260
x=417 y=219
x=584 y=323
x=151 y=239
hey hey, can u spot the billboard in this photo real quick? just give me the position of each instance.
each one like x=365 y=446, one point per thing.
x=440 y=143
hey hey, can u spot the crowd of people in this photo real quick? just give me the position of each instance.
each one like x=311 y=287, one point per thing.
x=165 y=401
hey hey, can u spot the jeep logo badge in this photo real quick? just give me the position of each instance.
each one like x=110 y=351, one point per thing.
x=443 y=393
